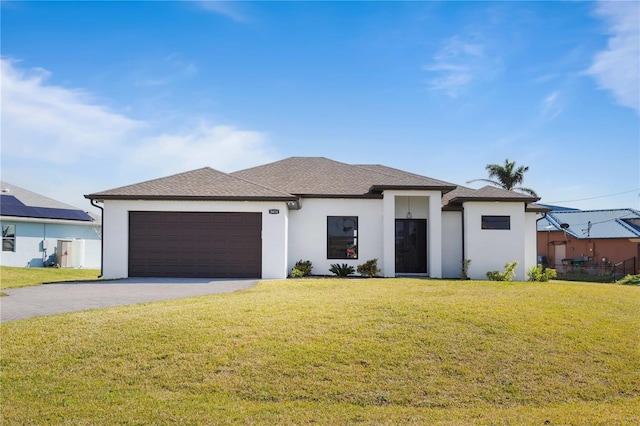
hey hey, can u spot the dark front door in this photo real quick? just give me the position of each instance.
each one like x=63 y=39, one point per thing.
x=411 y=246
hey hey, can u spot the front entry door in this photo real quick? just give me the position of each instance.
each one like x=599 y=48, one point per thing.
x=411 y=246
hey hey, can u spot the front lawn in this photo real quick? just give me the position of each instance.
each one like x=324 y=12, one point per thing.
x=331 y=351
x=11 y=277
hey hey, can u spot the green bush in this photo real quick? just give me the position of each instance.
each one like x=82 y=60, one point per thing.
x=507 y=275
x=369 y=268
x=297 y=273
x=341 y=270
x=630 y=280
x=538 y=274
x=302 y=268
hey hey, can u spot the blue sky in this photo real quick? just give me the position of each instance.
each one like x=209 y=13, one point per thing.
x=97 y=95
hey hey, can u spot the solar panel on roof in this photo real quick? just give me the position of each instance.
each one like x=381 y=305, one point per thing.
x=10 y=200
x=20 y=210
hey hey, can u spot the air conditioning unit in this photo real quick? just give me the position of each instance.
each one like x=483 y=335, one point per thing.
x=70 y=253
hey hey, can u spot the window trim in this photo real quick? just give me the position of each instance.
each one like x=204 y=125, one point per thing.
x=495 y=222
x=355 y=238
x=10 y=238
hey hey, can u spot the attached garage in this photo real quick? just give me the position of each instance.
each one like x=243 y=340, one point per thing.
x=195 y=244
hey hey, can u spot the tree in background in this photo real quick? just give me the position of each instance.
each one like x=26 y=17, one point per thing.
x=507 y=177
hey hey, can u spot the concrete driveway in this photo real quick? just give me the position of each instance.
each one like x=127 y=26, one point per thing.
x=50 y=299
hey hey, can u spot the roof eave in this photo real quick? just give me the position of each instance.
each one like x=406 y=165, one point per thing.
x=102 y=197
x=367 y=196
x=443 y=189
x=31 y=219
x=537 y=209
x=499 y=199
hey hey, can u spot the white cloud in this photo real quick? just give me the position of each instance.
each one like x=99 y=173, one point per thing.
x=617 y=68
x=457 y=64
x=54 y=123
x=63 y=138
x=227 y=147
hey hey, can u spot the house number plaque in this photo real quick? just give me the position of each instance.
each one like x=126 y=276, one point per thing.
x=274 y=211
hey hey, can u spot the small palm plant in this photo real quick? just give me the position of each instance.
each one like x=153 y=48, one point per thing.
x=342 y=270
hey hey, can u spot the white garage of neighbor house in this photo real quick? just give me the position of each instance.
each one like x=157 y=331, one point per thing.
x=256 y=223
x=39 y=231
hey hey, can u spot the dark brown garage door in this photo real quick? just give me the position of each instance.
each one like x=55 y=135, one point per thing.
x=194 y=244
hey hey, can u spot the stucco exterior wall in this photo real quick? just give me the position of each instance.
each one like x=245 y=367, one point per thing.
x=116 y=230
x=451 y=244
x=489 y=249
x=308 y=232
x=37 y=241
x=530 y=242
x=302 y=234
x=427 y=206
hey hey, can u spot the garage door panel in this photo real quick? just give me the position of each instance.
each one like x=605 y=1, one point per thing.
x=195 y=244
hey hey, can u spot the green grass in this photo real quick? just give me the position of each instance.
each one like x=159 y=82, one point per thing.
x=11 y=277
x=332 y=351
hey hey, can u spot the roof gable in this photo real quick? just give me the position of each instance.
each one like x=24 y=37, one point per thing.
x=319 y=176
x=293 y=177
x=205 y=183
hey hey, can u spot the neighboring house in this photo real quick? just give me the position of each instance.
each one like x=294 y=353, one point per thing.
x=258 y=222
x=590 y=239
x=39 y=231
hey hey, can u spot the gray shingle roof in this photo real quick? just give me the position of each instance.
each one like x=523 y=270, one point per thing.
x=486 y=193
x=614 y=223
x=300 y=176
x=205 y=183
x=318 y=176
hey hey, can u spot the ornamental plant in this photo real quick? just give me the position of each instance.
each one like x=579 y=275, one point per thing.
x=508 y=274
x=342 y=270
x=369 y=268
x=538 y=274
x=302 y=268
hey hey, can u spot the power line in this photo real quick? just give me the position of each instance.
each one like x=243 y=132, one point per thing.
x=592 y=198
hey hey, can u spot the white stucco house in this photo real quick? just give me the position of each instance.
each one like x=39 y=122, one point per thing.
x=256 y=223
x=39 y=231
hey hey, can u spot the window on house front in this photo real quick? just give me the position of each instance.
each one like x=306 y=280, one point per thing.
x=342 y=237
x=496 y=222
x=8 y=238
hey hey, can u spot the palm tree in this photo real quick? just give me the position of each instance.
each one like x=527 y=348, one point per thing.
x=507 y=177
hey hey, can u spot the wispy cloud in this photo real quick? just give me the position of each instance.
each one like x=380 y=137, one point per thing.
x=457 y=64
x=230 y=9
x=164 y=71
x=232 y=149
x=185 y=67
x=552 y=106
x=45 y=125
x=52 y=122
x=617 y=68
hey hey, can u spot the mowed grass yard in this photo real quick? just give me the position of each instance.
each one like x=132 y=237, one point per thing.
x=11 y=277
x=333 y=351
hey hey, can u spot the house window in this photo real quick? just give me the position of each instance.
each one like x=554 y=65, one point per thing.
x=496 y=222
x=8 y=238
x=342 y=237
